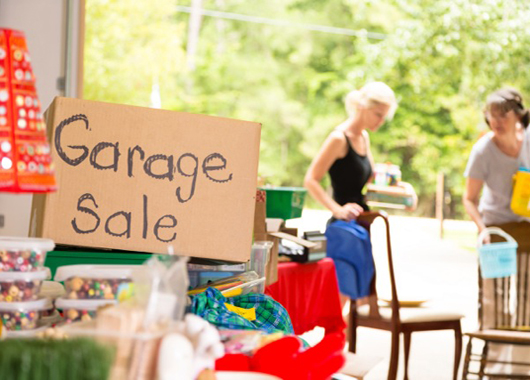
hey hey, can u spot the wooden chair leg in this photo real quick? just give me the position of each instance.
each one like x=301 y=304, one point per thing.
x=406 y=341
x=458 y=350
x=394 y=356
x=483 y=359
x=352 y=329
x=467 y=359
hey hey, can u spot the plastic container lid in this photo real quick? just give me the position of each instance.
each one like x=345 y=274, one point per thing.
x=39 y=274
x=80 y=304
x=51 y=289
x=94 y=271
x=32 y=333
x=18 y=243
x=262 y=244
x=245 y=288
x=36 y=305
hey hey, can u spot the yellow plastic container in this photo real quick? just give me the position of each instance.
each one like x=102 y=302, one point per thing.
x=521 y=193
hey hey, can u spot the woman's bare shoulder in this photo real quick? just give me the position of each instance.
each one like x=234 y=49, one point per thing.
x=337 y=135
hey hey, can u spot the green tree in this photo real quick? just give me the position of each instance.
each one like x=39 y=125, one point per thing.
x=442 y=58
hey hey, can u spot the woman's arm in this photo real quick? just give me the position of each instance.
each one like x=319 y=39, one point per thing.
x=470 y=200
x=333 y=148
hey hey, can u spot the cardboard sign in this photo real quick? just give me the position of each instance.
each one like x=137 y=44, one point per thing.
x=141 y=179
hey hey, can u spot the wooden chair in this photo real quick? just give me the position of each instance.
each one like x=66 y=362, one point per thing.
x=511 y=322
x=398 y=319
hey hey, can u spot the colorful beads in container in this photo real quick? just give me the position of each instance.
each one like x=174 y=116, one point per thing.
x=20 y=261
x=21 y=286
x=23 y=254
x=100 y=288
x=97 y=281
x=22 y=315
x=82 y=309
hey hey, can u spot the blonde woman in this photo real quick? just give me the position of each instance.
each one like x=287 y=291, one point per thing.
x=346 y=156
x=346 y=152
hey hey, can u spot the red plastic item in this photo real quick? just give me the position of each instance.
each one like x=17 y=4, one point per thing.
x=25 y=161
x=285 y=359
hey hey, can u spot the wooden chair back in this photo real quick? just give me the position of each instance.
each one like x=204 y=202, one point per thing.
x=421 y=320
x=510 y=307
x=366 y=220
x=504 y=316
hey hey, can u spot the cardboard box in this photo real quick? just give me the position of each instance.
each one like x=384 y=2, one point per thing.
x=140 y=179
x=273 y=230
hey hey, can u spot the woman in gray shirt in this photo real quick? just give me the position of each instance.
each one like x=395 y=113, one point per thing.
x=494 y=160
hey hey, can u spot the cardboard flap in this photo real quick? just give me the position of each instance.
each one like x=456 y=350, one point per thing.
x=274 y=224
x=295 y=239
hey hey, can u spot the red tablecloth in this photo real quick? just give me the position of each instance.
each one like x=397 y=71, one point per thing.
x=310 y=294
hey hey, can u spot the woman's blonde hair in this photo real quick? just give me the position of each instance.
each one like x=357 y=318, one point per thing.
x=372 y=94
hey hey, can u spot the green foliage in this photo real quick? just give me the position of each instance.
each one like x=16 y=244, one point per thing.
x=441 y=58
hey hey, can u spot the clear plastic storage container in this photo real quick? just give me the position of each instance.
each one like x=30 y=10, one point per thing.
x=96 y=281
x=259 y=257
x=22 y=286
x=82 y=309
x=51 y=290
x=23 y=254
x=22 y=315
x=25 y=334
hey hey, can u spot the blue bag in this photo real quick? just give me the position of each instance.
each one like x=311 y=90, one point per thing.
x=348 y=244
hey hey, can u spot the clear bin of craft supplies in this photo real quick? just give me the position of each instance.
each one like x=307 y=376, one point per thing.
x=23 y=254
x=234 y=285
x=259 y=257
x=97 y=281
x=22 y=286
x=22 y=315
x=200 y=274
x=81 y=309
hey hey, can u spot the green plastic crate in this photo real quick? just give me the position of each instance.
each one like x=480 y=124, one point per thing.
x=285 y=202
x=58 y=258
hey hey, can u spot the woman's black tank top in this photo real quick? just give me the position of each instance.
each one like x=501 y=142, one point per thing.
x=348 y=177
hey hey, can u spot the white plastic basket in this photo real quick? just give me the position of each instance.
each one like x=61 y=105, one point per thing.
x=497 y=259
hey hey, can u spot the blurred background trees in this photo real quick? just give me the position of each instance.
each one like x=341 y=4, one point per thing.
x=289 y=63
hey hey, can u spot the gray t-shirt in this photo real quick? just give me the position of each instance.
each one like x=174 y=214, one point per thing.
x=487 y=163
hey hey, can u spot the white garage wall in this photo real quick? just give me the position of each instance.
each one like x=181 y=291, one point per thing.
x=44 y=24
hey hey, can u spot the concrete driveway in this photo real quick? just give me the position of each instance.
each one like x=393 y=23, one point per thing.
x=441 y=271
